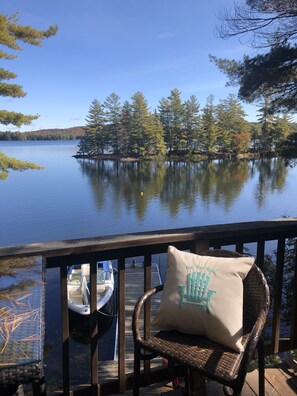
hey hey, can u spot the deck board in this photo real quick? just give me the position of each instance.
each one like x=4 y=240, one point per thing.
x=135 y=289
x=277 y=383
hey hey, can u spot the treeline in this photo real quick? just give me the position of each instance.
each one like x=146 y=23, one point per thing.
x=180 y=128
x=45 y=134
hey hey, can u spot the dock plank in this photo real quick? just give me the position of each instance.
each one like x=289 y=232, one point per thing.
x=134 y=289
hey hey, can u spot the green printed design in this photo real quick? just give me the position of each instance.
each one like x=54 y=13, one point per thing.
x=195 y=292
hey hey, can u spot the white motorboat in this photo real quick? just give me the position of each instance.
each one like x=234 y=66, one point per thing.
x=78 y=286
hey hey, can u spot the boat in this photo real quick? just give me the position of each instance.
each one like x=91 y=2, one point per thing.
x=78 y=286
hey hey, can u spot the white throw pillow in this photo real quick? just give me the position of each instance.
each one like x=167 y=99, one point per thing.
x=204 y=295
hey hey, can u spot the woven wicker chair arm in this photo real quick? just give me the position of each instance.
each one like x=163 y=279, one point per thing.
x=136 y=313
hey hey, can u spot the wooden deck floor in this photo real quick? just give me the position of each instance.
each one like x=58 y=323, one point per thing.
x=279 y=381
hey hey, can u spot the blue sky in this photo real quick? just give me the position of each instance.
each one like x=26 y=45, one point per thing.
x=121 y=46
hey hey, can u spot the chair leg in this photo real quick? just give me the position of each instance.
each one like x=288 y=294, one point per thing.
x=261 y=367
x=197 y=383
x=39 y=387
x=187 y=381
x=136 y=379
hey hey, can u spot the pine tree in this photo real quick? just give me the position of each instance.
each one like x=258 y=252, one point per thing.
x=112 y=107
x=165 y=116
x=191 y=121
x=282 y=129
x=146 y=136
x=266 y=120
x=256 y=137
x=176 y=117
x=209 y=130
x=11 y=33
x=154 y=136
x=233 y=130
x=12 y=163
x=272 y=26
x=140 y=111
x=125 y=128
x=95 y=141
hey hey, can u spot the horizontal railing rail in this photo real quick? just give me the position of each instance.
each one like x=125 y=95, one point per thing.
x=236 y=236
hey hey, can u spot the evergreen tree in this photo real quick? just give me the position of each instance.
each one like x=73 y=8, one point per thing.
x=288 y=148
x=112 y=107
x=125 y=128
x=11 y=33
x=272 y=26
x=256 y=137
x=140 y=111
x=233 y=131
x=177 y=138
x=282 y=129
x=7 y=163
x=165 y=116
x=146 y=133
x=95 y=141
x=266 y=120
x=154 y=133
x=191 y=123
x=209 y=129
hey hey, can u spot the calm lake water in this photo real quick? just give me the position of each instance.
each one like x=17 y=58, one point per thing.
x=74 y=198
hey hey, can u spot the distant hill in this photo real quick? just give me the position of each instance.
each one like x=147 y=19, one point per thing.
x=75 y=131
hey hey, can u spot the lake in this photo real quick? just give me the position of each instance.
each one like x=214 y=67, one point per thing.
x=76 y=198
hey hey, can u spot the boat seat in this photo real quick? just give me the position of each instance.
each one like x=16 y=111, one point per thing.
x=101 y=289
x=76 y=295
x=75 y=279
x=76 y=292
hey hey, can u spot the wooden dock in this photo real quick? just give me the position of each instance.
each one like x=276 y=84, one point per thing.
x=134 y=289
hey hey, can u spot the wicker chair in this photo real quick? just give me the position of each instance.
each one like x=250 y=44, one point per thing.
x=209 y=359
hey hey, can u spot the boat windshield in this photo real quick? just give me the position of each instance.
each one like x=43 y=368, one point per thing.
x=103 y=272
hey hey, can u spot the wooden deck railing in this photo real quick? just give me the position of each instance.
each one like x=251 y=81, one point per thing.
x=122 y=247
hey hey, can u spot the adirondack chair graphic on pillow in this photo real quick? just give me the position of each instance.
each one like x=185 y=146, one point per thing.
x=196 y=291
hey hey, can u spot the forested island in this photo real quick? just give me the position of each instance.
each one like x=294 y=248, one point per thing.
x=181 y=130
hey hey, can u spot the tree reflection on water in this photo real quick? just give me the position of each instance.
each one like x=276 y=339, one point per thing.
x=179 y=185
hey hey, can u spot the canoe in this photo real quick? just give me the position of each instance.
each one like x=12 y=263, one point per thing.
x=78 y=286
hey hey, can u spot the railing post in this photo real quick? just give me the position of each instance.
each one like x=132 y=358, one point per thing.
x=147 y=310
x=279 y=271
x=294 y=307
x=239 y=247
x=260 y=254
x=65 y=330
x=121 y=324
x=95 y=388
x=200 y=246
